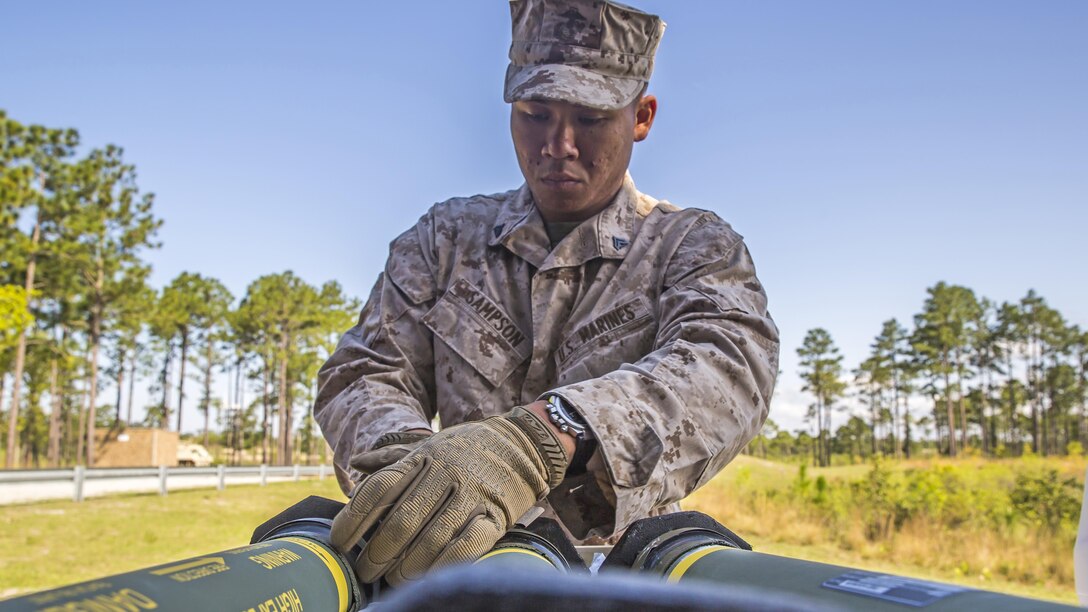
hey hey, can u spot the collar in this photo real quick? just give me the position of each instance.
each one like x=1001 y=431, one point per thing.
x=608 y=234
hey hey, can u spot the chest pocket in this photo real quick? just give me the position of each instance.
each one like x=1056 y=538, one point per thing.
x=599 y=336
x=479 y=331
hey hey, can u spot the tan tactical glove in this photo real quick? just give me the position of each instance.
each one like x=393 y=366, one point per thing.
x=389 y=449
x=452 y=498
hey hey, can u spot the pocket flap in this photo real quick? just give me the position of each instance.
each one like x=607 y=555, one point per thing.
x=478 y=330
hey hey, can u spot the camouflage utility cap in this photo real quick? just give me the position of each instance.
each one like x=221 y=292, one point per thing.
x=588 y=52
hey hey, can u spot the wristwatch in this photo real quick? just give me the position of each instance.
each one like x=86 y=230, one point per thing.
x=567 y=420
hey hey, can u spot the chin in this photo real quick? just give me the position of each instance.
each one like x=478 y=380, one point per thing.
x=558 y=206
x=554 y=213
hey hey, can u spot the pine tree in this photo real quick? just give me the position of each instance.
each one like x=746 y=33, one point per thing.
x=892 y=352
x=940 y=343
x=821 y=366
x=30 y=159
x=113 y=223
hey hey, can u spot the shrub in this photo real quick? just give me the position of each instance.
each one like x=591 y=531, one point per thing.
x=1046 y=501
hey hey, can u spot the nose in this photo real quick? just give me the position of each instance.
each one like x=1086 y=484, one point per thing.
x=559 y=142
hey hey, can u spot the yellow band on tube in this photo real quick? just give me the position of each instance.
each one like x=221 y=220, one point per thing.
x=334 y=568
x=688 y=560
x=514 y=550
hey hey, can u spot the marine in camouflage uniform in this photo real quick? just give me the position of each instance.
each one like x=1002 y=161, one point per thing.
x=647 y=319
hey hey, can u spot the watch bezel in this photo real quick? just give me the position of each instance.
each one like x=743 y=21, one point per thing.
x=565 y=419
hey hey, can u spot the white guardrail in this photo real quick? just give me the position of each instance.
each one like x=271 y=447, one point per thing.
x=78 y=483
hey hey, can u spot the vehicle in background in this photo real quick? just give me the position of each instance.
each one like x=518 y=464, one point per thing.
x=193 y=455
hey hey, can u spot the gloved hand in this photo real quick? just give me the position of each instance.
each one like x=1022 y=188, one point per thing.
x=389 y=449
x=452 y=498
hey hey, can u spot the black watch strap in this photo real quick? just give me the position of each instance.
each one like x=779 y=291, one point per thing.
x=583 y=450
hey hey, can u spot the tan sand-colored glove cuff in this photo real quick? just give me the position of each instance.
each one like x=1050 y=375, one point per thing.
x=547 y=444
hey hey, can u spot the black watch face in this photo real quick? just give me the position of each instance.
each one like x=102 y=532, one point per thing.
x=574 y=416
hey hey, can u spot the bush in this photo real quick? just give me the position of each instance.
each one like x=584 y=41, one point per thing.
x=882 y=502
x=1046 y=501
x=981 y=520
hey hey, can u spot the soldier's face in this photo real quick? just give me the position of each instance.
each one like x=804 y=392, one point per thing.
x=573 y=157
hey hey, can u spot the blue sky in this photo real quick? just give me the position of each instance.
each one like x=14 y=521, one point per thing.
x=866 y=150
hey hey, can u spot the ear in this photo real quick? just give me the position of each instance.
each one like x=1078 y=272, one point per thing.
x=645 y=113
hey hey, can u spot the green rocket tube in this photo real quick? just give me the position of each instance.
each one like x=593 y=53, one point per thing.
x=286 y=574
x=689 y=548
x=541 y=546
x=288 y=566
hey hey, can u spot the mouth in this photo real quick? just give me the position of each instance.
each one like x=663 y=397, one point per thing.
x=560 y=181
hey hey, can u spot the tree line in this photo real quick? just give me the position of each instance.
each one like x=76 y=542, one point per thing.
x=998 y=379
x=78 y=317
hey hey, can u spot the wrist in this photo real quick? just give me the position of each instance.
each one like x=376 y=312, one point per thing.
x=568 y=420
x=553 y=451
x=540 y=409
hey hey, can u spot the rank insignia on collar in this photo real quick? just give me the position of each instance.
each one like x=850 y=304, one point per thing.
x=619 y=243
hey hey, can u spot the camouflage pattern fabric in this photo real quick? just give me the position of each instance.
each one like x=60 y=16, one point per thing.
x=587 y=52
x=647 y=318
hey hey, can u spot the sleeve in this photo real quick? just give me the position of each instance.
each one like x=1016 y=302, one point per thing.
x=668 y=423
x=380 y=378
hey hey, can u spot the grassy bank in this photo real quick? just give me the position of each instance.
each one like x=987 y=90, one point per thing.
x=1006 y=526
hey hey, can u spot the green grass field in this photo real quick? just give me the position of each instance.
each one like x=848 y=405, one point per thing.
x=50 y=544
x=758 y=499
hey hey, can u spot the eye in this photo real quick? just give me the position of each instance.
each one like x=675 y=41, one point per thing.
x=590 y=120
x=535 y=117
